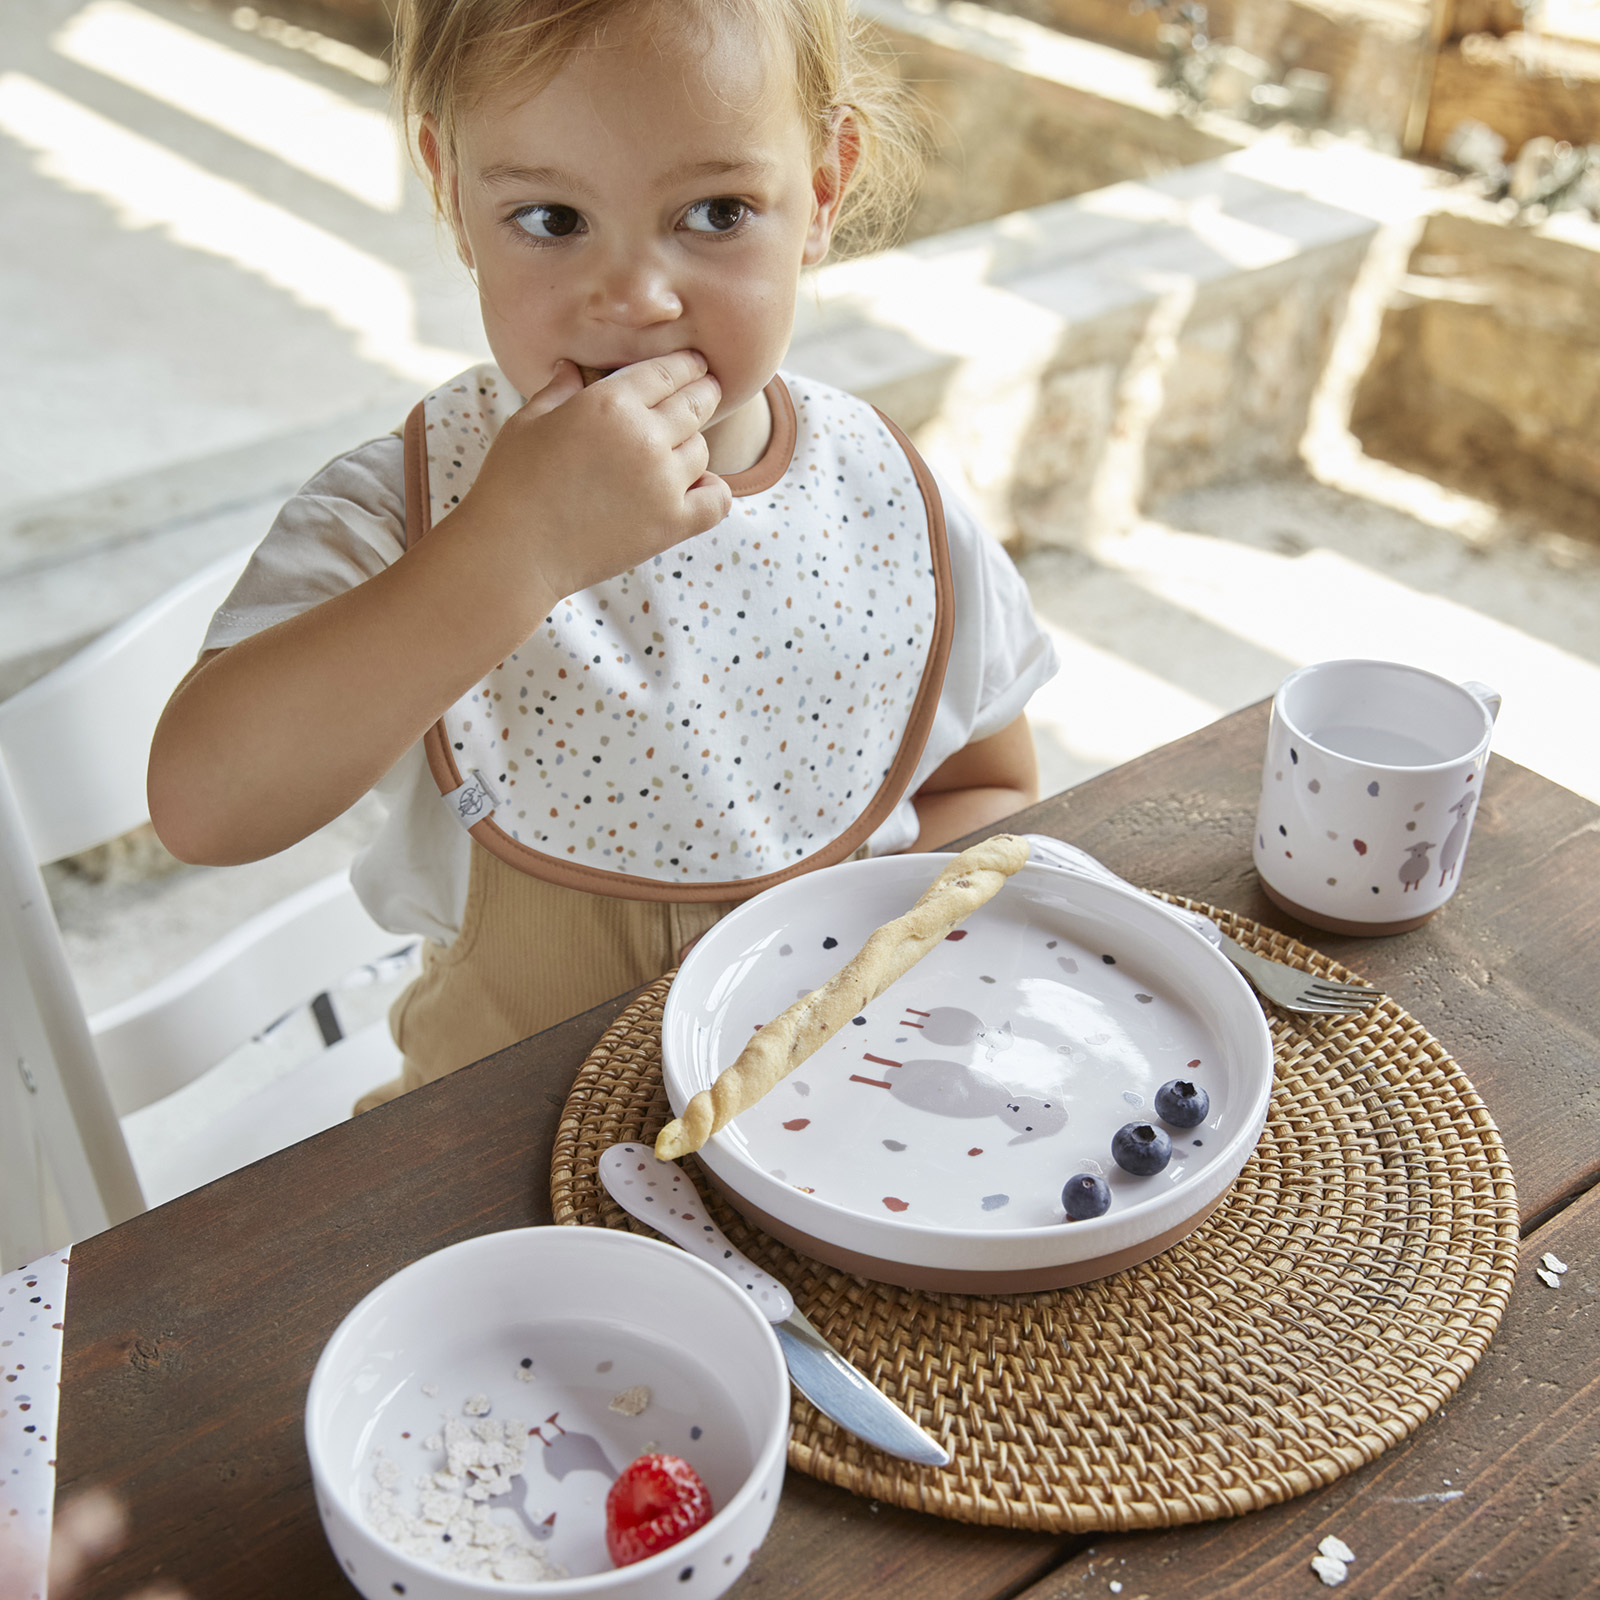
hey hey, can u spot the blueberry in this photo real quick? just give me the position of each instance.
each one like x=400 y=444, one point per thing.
x=1085 y=1196
x=1182 y=1105
x=1138 y=1148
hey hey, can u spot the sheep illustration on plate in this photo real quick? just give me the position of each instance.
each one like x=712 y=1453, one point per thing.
x=959 y=1089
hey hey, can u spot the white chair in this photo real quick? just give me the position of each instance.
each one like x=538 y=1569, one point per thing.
x=73 y=750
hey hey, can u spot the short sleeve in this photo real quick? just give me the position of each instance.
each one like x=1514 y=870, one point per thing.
x=343 y=527
x=999 y=656
x=1013 y=654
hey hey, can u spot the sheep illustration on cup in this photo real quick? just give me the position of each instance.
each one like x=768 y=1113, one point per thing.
x=1416 y=866
x=1455 y=842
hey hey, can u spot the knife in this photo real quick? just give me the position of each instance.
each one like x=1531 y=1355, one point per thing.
x=662 y=1194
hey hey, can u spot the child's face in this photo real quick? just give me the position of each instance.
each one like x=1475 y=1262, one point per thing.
x=654 y=197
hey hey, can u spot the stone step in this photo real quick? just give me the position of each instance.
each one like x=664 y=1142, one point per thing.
x=1135 y=341
x=1017 y=115
x=73 y=565
x=1192 y=308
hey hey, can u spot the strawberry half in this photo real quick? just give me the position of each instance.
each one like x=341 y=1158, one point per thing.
x=657 y=1501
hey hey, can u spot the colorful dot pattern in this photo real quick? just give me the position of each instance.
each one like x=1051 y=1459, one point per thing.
x=731 y=707
x=1308 y=803
x=32 y=1301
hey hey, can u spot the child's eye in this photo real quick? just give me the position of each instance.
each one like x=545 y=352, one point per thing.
x=548 y=222
x=715 y=216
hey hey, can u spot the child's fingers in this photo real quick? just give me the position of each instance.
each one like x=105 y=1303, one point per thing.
x=693 y=456
x=708 y=501
x=653 y=381
x=566 y=382
x=689 y=409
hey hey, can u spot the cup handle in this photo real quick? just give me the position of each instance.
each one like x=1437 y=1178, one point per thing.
x=1489 y=697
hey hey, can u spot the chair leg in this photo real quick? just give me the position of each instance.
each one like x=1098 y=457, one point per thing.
x=23 y=1232
x=43 y=1027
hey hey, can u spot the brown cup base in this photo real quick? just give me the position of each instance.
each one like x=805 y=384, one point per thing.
x=1361 y=930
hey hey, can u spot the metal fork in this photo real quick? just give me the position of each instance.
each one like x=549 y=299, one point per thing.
x=1293 y=989
x=1285 y=986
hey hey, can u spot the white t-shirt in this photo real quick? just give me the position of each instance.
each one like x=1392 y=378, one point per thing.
x=348 y=523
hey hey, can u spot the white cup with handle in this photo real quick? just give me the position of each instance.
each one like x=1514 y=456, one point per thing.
x=1373 y=774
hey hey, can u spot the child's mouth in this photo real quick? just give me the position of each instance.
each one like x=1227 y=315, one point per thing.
x=595 y=374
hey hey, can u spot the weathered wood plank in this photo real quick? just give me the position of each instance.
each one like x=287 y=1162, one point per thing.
x=1520 y=87
x=1496 y=1494
x=192 y=1332
x=829 y=1545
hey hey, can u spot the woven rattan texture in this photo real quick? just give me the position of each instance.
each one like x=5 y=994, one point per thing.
x=1345 y=1287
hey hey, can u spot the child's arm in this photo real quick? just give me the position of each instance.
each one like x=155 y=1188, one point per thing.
x=266 y=741
x=988 y=780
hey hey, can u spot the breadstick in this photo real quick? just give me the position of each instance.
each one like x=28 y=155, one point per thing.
x=774 y=1051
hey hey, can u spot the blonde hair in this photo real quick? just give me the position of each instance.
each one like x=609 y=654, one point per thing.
x=452 y=54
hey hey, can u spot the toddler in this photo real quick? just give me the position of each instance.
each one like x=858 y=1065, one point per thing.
x=628 y=625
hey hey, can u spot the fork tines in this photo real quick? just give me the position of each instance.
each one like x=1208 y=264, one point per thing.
x=1323 y=995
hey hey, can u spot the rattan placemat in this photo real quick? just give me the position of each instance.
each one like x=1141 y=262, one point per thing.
x=1345 y=1287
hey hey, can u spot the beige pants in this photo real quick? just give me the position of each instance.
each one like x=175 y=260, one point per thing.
x=530 y=954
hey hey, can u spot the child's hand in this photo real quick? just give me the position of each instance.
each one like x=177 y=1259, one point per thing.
x=584 y=483
x=253 y=752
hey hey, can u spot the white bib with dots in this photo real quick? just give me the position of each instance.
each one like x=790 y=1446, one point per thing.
x=750 y=705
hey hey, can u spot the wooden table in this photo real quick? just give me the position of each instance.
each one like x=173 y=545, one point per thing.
x=192 y=1331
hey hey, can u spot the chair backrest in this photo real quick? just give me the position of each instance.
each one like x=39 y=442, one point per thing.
x=76 y=742
x=157 y=1041
x=74 y=747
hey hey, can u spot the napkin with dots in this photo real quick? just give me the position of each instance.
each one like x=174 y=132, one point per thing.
x=32 y=1302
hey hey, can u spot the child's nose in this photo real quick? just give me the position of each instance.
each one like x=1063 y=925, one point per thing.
x=635 y=290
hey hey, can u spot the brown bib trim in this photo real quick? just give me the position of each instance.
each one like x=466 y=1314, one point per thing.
x=779 y=454
x=774 y=462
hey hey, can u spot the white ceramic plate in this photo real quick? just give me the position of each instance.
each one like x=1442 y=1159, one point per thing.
x=928 y=1142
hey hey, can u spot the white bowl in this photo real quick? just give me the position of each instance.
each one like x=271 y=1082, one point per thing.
x=928 y=1142
x=550 y=1326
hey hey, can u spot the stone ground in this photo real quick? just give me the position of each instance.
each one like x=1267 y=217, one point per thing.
x=208 y=229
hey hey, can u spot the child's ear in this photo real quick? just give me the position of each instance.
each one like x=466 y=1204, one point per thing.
x=829 y=182
x=445 y=187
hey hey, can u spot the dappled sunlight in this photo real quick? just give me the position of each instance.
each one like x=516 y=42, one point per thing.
x=330 y=52
x=1240 y=243
x=1323 y=604
x=325 y=135
x=148 y=186
x=1243 y=244
x=1165 y=618
x=1025 y=45
x=1131 y=202
x=1102 y=709
x=1367 y=478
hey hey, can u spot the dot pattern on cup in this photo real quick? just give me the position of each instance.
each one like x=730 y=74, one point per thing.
x=1410 y=856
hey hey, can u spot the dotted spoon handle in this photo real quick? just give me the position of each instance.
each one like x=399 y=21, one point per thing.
x=661 y=1194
